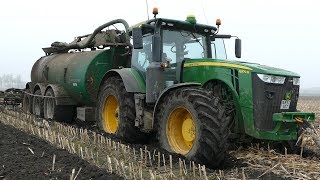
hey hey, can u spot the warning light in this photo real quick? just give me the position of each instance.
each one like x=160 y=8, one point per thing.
x=218 y=22
x=155 y=12
x=191 y=19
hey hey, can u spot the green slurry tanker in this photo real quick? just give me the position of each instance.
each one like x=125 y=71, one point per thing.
x=167 y=77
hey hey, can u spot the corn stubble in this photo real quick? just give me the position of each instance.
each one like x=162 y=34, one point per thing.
x=142 y=163
x=115 y=157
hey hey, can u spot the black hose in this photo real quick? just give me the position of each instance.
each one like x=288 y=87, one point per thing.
x=96 y=31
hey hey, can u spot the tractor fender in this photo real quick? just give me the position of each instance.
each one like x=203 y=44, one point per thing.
x=61 y=95
x=169 y=89
x=132 y=80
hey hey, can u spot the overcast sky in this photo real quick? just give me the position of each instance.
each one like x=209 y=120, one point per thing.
x=280 y=33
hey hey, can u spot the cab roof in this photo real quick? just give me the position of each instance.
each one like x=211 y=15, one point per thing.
x=179 y=25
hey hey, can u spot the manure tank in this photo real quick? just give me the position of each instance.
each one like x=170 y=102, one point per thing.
x=79 y=73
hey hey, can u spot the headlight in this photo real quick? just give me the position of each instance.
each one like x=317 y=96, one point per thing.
x=296 y=81
x=272 y=79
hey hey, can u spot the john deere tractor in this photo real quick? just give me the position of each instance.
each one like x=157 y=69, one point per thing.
x=167 y=77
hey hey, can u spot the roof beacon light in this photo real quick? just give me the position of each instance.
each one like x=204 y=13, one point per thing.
x=191 y=19
x=218 y=22
x=155 y=12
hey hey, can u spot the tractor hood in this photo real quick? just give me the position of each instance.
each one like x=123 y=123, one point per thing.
x=263 y=69
x=253 y=67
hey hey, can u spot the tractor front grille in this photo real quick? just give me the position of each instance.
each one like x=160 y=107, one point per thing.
x=267 y=99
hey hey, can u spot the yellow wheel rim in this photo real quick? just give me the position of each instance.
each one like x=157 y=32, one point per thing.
x=110 y=115
x=181 y=131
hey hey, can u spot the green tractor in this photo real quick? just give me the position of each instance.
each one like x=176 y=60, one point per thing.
x=167 y=77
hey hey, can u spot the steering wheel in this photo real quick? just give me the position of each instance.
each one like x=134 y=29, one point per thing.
x=184 y=48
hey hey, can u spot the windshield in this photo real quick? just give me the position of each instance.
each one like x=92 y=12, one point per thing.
x=179 y=45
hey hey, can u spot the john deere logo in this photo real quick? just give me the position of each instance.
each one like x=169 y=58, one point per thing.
x=288 y=96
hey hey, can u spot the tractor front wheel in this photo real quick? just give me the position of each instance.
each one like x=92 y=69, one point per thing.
x=192 y=122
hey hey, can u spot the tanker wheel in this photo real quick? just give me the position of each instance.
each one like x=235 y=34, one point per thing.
x=26 y=102
x=37 y=104
x=191 y=122
x=53 y=111
x=116 y=111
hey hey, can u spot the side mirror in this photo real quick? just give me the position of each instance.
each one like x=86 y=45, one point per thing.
x=137 y=38
x=238 y=48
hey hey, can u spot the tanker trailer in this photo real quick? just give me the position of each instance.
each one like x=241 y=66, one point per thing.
x=70 y=74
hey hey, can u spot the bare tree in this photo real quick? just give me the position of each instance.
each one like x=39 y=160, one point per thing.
x=11 y=81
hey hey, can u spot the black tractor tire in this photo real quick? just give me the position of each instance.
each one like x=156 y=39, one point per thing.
x=211 y=129
x=37 y=104
x=52 y=111
x=126 y=129
x=27 y=102
x=221 y=91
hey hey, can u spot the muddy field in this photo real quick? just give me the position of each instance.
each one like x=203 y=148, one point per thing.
x=25 y=156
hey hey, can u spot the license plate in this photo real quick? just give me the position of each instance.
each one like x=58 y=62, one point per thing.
x=285 y=104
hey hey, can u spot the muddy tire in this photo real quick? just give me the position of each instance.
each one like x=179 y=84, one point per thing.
x=222 y=92
x=26 y=102
x=37 y=104
x=53 y=111
x=191 y=122
x=116 y=111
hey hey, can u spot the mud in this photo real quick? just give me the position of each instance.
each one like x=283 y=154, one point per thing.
x=23 y=156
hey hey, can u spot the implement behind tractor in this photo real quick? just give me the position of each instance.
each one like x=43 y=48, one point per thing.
x=11 y=97
x=174 y=80
x=1 y=97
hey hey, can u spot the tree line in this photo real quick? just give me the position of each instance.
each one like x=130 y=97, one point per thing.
x=11 y=81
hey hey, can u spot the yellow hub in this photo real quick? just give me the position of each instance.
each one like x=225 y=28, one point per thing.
x=188 y=130
x=181 y=131
x=110 y=114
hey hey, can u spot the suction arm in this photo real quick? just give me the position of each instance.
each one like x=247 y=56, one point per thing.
x=64 y=47
x=96 y=31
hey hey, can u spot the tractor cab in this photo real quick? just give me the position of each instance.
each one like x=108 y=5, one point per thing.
x=171 y=42
x=179 y=40
x=164 y=45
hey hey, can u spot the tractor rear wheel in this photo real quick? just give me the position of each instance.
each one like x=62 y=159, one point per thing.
x=53 y=111
x=26 y=102
x=37 y=104
x=191 y=122
x=116 y=111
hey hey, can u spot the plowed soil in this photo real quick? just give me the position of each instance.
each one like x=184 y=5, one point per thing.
x=23 y=156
